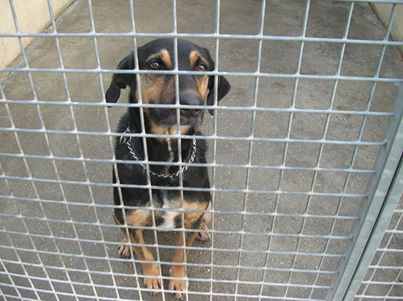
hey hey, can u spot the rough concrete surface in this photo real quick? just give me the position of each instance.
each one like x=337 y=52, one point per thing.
x=80 y=255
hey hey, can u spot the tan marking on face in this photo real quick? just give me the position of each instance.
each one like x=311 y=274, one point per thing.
x=202 y=86
x=155 y=88
x=173 y=130
x=194 y=56
x=202 y=80
x=138 y=217
x=166 y=58
x=163 y=55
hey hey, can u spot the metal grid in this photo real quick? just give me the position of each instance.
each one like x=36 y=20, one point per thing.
x=289 y=184
x=384 y=277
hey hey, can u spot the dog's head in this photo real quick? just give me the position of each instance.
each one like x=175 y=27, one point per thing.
x=195 y=90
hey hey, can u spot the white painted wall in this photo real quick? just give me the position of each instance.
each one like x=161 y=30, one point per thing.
x=32 y=16
x=383 y=12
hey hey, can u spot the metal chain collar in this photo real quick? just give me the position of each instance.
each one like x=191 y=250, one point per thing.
x=126 y=140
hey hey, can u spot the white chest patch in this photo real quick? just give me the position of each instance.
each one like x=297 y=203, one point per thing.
x=169 y=219
x=169 y=215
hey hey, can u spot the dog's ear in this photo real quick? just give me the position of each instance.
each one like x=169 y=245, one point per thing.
x=121 y=80
x=223 y=87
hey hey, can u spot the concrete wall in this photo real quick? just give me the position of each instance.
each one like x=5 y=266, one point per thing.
x=383 y=12
x=32 y=15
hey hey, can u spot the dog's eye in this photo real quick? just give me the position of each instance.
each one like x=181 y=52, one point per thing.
x=201 y=67
x=154 y=65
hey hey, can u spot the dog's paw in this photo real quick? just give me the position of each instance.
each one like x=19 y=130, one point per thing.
x=180 y=286
x=153 y=280
x=124 y=249
x=203 y=235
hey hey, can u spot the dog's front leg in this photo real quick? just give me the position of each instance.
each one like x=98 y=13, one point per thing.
x=203 y=234
x=178 y=271
x=150 y=268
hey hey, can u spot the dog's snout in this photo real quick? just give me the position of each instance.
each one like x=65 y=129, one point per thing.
x=190 y=99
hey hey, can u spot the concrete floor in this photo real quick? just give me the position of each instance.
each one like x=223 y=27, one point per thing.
x=99 y=241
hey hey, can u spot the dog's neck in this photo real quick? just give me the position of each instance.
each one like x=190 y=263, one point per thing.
x=161 y=148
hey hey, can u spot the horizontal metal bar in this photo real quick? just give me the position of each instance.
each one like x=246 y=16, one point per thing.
x=384 y=267
x=215 y=165
x=389 y=250
x=190 y=292
x=190 y=279
x=391 y=283
x=211 y=189
x=224 y=250
x=373 y=1
x=223 y=73
x=394 y=231
x=221 y=36
x=373 y=297
x=191 y=264
x=67 y=222
x=213 y=137
x=201 y=107
x=231 y=232
x=213 y=211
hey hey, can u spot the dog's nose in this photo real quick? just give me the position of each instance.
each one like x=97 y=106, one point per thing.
x=191 y=99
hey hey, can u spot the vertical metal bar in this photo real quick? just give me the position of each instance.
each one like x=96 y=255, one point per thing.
x=35 y=99
x=12 y=242
x=293 y=103
x=380 y=258
x=145 y=148
x=326 y=128
x=77 y=137
x=373 y=203
x=386 y=194
x=100 y=79
x=4 y=268
x=251 y=143
x=397 y=278
x=178 y=132
x=179 y=140
x=144 y=141
x=215 y=118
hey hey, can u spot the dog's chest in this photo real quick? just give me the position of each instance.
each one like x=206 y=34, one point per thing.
x=167 y=217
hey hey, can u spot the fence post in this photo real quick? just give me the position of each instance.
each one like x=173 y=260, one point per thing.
x=382 y=199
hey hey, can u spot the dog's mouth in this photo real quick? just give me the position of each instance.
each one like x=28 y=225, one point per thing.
x=169 y=117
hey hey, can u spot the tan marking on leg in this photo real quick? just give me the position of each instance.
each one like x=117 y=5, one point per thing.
x=138 y=217
x=178 y=271
x=124 y=249
x=141 y=218
x=203 y=235
x=150 y=269
x=191 y=217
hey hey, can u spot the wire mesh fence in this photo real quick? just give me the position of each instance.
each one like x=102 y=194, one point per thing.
x=296 y=151
x=384 y=277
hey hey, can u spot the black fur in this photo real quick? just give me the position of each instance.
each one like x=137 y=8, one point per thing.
x=196 y=177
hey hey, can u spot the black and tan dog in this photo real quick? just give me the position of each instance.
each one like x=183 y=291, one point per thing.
x=194 y=90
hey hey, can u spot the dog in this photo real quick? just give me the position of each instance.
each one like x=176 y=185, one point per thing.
x=160 y=88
